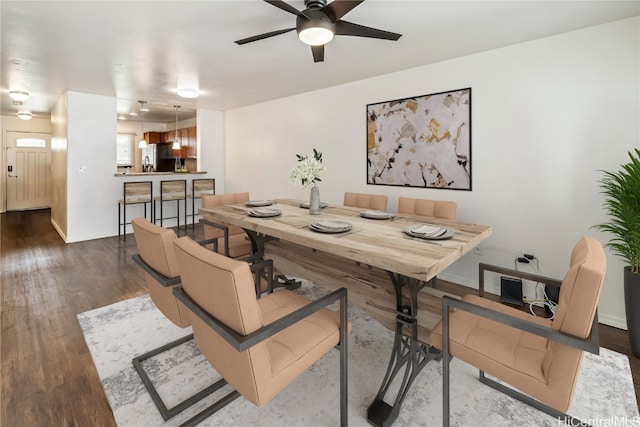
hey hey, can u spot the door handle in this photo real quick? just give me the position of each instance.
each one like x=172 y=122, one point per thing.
x=13 y=176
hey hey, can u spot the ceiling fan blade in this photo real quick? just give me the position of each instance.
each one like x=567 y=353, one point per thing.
x=263 y=36
x=344 y=28
x=286 y=7
x=340 y=8
x=318 y=53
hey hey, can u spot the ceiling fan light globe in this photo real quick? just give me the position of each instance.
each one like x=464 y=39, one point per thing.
x=316 y=31
x=315 y=36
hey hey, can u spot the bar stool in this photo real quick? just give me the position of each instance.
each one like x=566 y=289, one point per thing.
x=134 y=193
x=174 y=190
x=199 y=187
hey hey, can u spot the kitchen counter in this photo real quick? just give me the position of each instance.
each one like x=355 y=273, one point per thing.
x=158 y=173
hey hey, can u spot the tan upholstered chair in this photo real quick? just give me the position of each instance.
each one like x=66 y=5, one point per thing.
x=156 y=255
x=229 y=240
x=366 y=201
x=540 y=357
x=439 y=209
x=429 y=209
x=258 y=345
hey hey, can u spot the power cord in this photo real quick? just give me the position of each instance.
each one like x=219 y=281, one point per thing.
x=545 y=302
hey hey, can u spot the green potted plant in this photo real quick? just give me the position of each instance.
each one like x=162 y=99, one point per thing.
x=622 y=204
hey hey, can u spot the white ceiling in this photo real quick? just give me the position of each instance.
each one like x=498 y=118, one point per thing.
x=146 y=50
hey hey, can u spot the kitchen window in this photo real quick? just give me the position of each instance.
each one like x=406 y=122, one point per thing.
x=124 y=149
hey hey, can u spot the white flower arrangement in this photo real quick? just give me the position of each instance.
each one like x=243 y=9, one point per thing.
x=308 y=170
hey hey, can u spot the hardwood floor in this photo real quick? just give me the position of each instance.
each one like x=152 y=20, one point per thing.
x=47 y=374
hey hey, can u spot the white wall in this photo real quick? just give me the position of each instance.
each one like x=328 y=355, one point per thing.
x=91 y=124
x=546 y=116
x=210 y=136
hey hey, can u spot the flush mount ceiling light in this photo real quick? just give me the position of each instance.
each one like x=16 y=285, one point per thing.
x=19 y=95
x=24 y=115
x=188 y=93
x=143 y=142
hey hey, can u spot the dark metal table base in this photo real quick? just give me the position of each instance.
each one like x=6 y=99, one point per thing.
x=407 y=352
x=257 y=245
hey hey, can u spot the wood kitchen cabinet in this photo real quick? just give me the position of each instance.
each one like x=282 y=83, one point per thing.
x=192 y=143
x=183 y=137
x=153 y=137
x=169 y=136
x=188 y=141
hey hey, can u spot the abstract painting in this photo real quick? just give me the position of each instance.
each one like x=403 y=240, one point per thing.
x=423 y=141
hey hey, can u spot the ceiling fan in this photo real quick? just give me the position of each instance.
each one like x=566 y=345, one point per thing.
x=319 y=22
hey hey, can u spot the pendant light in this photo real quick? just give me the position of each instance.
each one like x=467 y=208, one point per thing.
x=176 y=144
x=176 y=141
x=143 y=142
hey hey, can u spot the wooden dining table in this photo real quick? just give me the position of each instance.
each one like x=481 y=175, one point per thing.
x=390 y=274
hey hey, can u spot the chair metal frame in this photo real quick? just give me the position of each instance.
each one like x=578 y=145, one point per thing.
x=590 y=344
x=243 y=342
x=214 y=241
x=166 y=412
x=161 y=199
x=261 y=270
x=122 y=205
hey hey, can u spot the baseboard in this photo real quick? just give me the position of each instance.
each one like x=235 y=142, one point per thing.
x=59 y=230
x=613 y=321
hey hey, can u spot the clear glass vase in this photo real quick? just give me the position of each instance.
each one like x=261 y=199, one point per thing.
x=314 y=201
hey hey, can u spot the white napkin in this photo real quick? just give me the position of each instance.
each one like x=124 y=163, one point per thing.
x=430 y=230
x=331 y=225
x=264 y=212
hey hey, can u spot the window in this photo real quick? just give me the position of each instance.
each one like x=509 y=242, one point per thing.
x=31 y=143
x=124 y=149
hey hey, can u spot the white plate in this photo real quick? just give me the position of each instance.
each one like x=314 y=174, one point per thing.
x=428 y=232
x=330 y=226
x=376 y=214
x=254 y=203
x=264 y=212
x=305 y=205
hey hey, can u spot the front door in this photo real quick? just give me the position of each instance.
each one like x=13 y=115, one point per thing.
x=28 y=170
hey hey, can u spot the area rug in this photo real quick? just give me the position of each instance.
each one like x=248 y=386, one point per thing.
x=117 y=333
